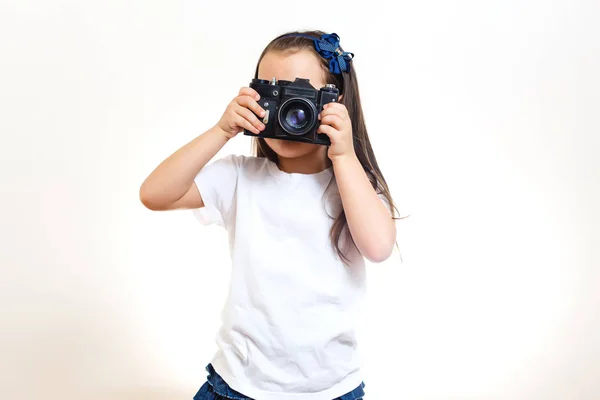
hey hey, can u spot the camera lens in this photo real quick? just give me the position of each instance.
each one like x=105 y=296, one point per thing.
x=297 y=116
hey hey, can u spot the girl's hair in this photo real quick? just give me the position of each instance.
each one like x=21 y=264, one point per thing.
x=348 y=86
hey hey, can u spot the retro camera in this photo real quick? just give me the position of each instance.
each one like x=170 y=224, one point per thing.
x=292 y=109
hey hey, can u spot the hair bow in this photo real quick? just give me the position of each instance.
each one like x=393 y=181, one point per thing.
x=328 y=46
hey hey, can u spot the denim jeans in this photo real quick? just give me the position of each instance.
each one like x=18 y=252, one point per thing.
x=215 y=388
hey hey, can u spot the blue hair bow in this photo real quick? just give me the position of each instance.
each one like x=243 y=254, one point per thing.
x=328 y=46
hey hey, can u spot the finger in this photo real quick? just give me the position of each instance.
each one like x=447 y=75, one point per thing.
x=334 y=106
x=333 y=120
x=341 y=111
x=251 y=104
x=328 y=130
x=244 y=123
x=250 y=117
x=246 y=91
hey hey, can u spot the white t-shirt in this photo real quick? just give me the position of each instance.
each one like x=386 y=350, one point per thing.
x=288 y=325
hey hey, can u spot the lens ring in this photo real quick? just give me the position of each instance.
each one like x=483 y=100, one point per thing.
x=297 y=116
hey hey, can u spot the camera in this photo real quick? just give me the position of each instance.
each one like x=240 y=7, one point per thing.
x=292 y=109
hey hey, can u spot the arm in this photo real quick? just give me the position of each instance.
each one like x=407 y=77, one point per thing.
x=171 y=185
x=370 y=222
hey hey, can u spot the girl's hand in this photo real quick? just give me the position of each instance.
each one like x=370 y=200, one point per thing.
x=240 y=114
x=335 y=123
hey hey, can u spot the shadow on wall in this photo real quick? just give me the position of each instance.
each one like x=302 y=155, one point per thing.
x=142 y=393
x=68 y=350
x=146 y=394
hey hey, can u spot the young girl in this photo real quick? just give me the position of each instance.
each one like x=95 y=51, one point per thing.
x=301 y=219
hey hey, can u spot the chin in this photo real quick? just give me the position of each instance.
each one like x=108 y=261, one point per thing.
x=290 y=149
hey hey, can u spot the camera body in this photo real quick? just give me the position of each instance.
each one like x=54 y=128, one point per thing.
x=292 y=109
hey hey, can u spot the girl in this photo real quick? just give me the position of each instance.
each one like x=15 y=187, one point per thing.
x=301 y=218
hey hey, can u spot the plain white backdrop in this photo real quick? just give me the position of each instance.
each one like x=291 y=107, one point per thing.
x=484 y=117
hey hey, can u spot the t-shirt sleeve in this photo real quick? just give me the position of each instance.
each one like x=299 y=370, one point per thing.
x=217 y=183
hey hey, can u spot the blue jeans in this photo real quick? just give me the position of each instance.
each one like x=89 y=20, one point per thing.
x=215 y=388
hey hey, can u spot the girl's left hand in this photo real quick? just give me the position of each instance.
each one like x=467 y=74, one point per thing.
x=335 y=123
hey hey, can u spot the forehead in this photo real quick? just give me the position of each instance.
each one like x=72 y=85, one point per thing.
x=301 y=64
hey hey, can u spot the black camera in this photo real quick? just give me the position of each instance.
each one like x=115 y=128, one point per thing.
x=292 y=109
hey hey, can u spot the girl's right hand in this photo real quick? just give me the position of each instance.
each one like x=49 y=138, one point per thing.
x=240 y=114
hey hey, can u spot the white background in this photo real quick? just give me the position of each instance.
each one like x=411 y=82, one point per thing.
x=483 y=116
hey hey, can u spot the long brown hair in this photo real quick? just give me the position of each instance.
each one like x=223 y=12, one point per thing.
x=348 y=86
